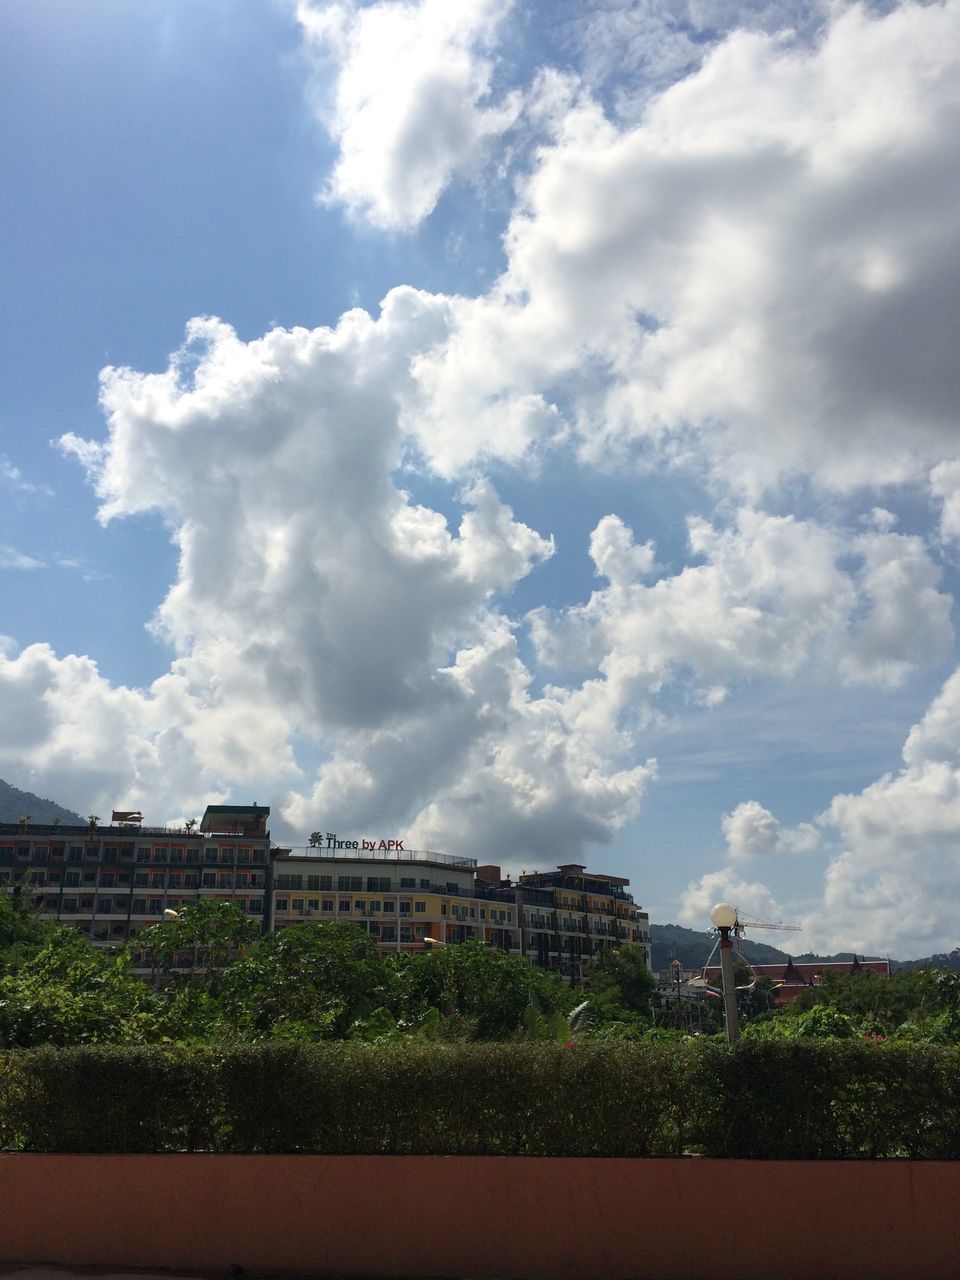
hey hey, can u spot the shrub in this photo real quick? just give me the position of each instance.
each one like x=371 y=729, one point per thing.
x=776 y=1099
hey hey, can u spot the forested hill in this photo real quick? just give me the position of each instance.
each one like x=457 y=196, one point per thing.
x=673 y=942
x=15 y=803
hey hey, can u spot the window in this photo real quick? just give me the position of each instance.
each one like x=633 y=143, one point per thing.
x=256 y=879
x=407 y=882
x=227 y=853
x=420 y=930
x=259 y=855
x=388 y=933
x=226 y=880
x=104 y=905
x=69 y=905
x=375 y=905
x=177 y=855
x=282 y=904
x=176 y=879
x=89 y=877
x=378 y=884
x=344 y=904
x=327 y=904
x=159 y=854
x=4 y=877
x=314 y=904
x=156 y=880
x=326 y=882
x=404 y=908
x=209 y=880
x=483 y=914
x=255 y=907
x=123 y=877
x=76 y=853
x=298 y=904
x=86 y=904
x=56 y=877
x=139 y=907
x=313 y=882
x=360 y=904
x=473 y=913
x=420 y=907
x=443 y=908
x=406 y=933
x=425 y=884
x=244 y=855
x=389 y=905
x=209 y=855
x=140 y=879
x=190 y=880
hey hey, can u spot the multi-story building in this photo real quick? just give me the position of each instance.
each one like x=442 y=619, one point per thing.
x=110 y=881
x=568 y=915
x=405 y=899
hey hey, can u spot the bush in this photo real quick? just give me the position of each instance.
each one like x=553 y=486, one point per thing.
x=779 y=1099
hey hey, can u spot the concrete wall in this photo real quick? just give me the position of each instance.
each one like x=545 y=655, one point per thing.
x=486 y=1216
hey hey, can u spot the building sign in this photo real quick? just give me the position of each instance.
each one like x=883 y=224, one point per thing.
x=330 y=840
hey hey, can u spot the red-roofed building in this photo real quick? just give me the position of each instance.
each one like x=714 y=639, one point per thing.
x=793 y=977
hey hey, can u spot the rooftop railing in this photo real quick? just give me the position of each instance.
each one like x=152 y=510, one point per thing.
x=379 y=855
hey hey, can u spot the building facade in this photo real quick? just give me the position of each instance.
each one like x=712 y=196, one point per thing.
x=111 y=881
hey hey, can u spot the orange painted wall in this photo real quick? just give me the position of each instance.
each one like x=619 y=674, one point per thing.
x=486 y=1216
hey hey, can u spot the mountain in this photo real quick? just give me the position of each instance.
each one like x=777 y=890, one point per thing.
x=14 y=803
x=673 y=942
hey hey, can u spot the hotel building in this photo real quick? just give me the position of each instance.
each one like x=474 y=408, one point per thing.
x=110 y=881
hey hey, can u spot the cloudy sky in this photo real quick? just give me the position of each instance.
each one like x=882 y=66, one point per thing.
x=529 y=429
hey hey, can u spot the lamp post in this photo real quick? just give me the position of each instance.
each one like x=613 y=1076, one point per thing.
x=724 y=918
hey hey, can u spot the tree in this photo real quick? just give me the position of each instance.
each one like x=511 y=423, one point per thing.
x=69 y=993
x=309 y=981
x=483 y=988
x=211 y=931
x=619 y=981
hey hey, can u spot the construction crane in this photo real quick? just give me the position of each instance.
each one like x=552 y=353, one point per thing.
x=747 y=922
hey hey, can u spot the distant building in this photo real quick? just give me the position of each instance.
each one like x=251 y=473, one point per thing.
x=108 y=881
x=792 y=978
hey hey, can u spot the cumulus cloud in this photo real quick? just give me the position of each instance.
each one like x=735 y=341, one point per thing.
x=759 y=272
x=413 y=105
x=750 y=897
x=309 y=583
x=773 y=594
x=751 y=831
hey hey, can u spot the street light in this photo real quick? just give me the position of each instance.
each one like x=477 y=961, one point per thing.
x=724 y=918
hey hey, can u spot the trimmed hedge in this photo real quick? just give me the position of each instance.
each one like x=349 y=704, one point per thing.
x=777 y=1100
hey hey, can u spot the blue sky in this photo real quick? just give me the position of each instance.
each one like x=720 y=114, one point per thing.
x=528 y=430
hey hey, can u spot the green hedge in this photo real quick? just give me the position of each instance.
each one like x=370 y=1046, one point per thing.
x=776 y=1100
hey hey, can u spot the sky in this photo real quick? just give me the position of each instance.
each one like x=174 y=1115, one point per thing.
x=529 y=430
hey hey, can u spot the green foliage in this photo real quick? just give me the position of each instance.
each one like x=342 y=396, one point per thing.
x=308 y=982
x=784 y=1099
x=619 y=981
x=69 y=993
x=210 y=931
x=483 y=990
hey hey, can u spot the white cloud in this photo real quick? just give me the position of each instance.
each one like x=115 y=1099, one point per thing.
x=773 y=594
x=758 y=274
x=413 y=105
x=312 y=588
x=750 y=897
x=751 y=831
x=945 y=487
x=14 y=477
x=11 y=558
